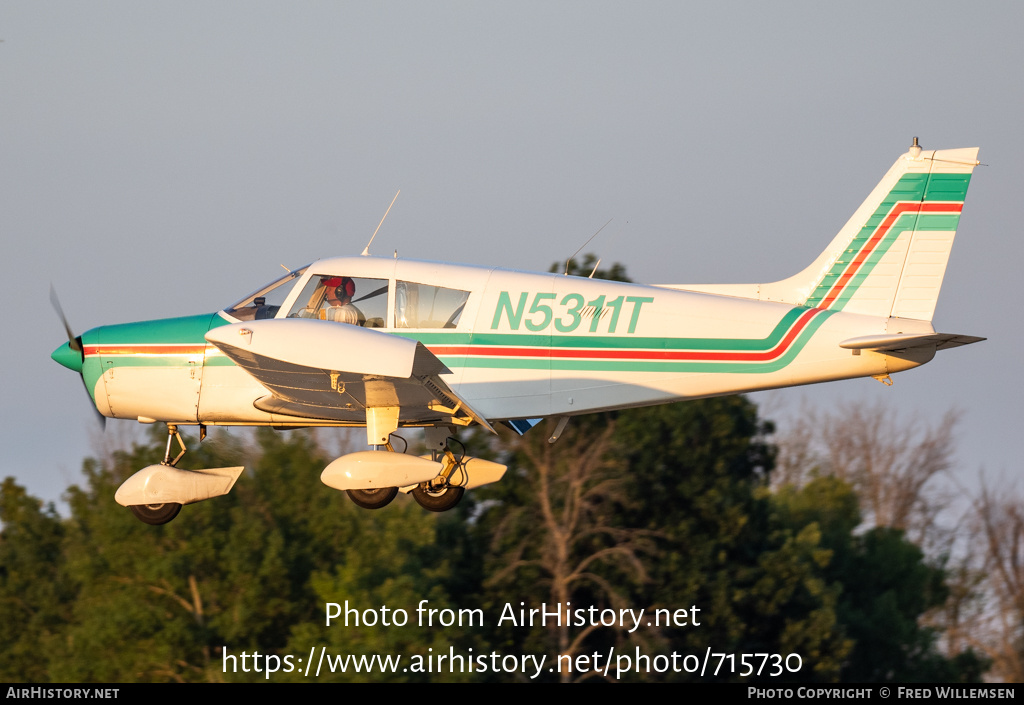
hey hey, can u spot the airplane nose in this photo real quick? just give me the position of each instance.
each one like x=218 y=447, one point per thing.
x=64 y=355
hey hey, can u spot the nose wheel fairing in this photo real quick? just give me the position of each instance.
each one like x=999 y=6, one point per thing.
x=156 y=493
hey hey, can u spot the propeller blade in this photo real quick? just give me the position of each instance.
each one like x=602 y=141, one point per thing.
x=75 y=343
x=99 y=417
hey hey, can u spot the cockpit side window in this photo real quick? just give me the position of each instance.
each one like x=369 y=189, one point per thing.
x=354 y=300
x=266 y=301
x=426 y=306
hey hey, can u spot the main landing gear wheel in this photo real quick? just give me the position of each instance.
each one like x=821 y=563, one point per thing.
x=440 y=500
x=373 y=499
x=155 y=514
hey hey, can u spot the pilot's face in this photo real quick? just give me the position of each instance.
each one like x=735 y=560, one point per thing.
x=332 y=286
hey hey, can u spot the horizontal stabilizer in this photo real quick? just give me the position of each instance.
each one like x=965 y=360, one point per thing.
x=908 y=341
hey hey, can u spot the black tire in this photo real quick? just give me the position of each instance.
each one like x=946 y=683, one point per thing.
x=373 y=499
x=437 y=500
x=155 y=514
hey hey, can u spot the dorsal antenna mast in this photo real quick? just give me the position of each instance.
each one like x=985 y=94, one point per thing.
x=566 y=272
x=594 y=270
x=366 y=250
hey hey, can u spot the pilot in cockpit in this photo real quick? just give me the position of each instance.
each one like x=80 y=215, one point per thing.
x=338 y=307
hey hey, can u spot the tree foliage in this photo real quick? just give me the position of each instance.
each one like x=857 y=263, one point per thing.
x=555 y=534
x=664 y=508
x=998 y=523
x=893 y=466
x=35 y=595
x=701 y=469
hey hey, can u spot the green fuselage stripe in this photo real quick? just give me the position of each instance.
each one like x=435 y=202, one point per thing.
x=614 y=342
x=114 y=348
x=678 y=367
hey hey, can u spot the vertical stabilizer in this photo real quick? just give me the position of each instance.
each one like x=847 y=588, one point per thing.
x=890 y=257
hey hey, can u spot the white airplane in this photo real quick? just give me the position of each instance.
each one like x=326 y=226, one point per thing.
x=390 y=343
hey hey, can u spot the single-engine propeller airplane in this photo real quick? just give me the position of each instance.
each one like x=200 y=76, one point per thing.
x=390 y=343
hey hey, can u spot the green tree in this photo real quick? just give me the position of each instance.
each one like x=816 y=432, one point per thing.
x=159 y=603
x=999 y=527
x=887 y=587
x=553 y=537
x=393 y=561
x=699 y=472
x=35 y=593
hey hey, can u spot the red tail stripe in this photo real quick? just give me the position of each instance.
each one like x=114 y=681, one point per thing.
x=898 y=210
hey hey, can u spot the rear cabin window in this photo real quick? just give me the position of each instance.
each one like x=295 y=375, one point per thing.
x=426 y=306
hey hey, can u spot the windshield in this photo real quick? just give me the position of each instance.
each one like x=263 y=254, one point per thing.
x=266 y=301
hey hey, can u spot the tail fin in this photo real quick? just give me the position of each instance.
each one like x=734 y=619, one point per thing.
x=890 y=257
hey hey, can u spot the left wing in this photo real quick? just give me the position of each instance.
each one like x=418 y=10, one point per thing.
x=333 y=371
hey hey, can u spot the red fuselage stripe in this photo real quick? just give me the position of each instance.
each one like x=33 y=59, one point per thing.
x=603 y=354
x=526 y=352
x=144 y=350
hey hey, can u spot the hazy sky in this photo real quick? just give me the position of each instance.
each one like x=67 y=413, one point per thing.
x=163 y=159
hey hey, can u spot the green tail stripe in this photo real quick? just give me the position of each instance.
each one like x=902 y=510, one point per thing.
x=909 y=188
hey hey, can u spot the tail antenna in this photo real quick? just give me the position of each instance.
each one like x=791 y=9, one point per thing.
x=915 y=149
x=366 y=250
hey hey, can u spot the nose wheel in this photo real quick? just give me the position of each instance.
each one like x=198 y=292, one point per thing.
x=157 y=514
